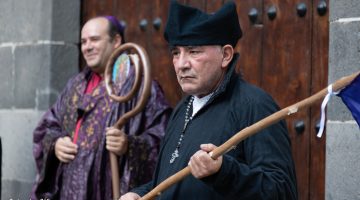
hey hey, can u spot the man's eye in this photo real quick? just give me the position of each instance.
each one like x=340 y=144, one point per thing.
x=175 y=53
x=194 y=52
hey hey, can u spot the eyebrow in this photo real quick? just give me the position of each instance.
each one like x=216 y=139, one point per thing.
x=186 y=47
x=192 y=47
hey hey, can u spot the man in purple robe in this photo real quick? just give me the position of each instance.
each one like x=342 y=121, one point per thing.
x=74 y=137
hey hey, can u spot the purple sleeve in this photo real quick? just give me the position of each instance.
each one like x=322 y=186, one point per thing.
x=47 y=131
x=44 y=137
x=146 y=132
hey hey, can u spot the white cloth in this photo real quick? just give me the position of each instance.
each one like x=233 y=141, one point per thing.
x=323 y=106
x=199 y=103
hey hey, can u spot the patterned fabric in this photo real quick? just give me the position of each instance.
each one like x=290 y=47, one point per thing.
x=88 y=176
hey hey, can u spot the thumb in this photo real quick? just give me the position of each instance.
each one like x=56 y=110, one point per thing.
x=67 y=139
x=69 y=143
x=207 y=147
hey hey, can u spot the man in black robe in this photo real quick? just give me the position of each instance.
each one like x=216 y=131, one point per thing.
x=219 y=105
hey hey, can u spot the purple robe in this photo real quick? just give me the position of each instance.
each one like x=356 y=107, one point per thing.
x=88 y=176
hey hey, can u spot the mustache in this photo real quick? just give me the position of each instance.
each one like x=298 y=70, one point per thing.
x=182 y=76
x=186 y=75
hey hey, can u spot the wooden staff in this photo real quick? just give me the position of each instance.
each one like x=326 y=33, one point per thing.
x=134 y=58
x=251 y=130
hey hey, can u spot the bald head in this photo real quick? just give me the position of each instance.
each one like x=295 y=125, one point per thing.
x=96 y=43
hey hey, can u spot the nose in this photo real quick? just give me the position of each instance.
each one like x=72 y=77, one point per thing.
x=183 y=61
x=87 y=46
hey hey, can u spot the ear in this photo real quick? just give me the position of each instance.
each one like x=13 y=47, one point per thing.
x=228 y=53
x=117 y=41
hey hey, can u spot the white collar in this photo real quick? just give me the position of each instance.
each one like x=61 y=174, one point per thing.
x=200 y=102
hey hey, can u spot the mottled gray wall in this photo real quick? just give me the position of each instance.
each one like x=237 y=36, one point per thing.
x=38 y=53
x=343 y=134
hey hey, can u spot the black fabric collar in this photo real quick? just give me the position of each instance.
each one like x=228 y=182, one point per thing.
x=227 y=79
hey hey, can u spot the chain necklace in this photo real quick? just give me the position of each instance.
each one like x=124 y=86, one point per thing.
x=188 y=118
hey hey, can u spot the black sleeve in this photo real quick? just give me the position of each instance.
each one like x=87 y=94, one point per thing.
x=143 y=189
x=261 y=166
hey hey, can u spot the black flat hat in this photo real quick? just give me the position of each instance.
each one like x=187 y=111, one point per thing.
x=188 y=26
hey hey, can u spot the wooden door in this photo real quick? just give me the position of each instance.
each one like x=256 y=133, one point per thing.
x=284 y=50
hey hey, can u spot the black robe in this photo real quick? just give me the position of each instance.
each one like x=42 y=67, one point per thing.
x=260 y=167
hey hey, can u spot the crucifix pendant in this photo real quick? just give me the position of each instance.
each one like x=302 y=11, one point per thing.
x=174 y=156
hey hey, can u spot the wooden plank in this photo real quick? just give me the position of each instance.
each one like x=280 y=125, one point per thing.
x=250 y=45
x=319 y=62
x=163 y=70
x=287 y=74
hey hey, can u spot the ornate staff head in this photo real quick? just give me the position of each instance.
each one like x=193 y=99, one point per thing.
x=140 y=61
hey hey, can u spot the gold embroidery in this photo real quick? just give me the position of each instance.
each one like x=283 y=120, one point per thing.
x=96 y=92
x=90 y=130
x=75 y=98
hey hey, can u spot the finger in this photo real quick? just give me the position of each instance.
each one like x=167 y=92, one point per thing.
x=117 y=150
x=62 y=146
x=68 y=153
x=63 y=157
x=196 y=168
x=69 y=150
x=115 y=140
x=193 y=167
x=196 y=161
x=68 y=157
x=113 y=131
x=66 y=148
x=67 y=142
x=116 y=145
x=207 y=147
x=111 y=148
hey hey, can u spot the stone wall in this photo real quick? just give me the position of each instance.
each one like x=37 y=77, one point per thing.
x=343 y=134
x=38 y=52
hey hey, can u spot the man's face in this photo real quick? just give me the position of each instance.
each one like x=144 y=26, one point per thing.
x=96 y=44
x=199 y=69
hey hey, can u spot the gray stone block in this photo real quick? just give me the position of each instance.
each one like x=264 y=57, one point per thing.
x=344 y=9
x=342 y=161
x=50 y=20
x=66 y=21
x=6 y=77
x=344 y=59
x=344 y=53
x=25 y=20
x=41 y=72
x=32 y=69
x=64 y=65
x=18 y=165
x=15 y=189
x=17 y=143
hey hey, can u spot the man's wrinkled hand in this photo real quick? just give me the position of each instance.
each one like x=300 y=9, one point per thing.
x=202 y=165
x=130 y=196
x=116 y=141
x=65 y=150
